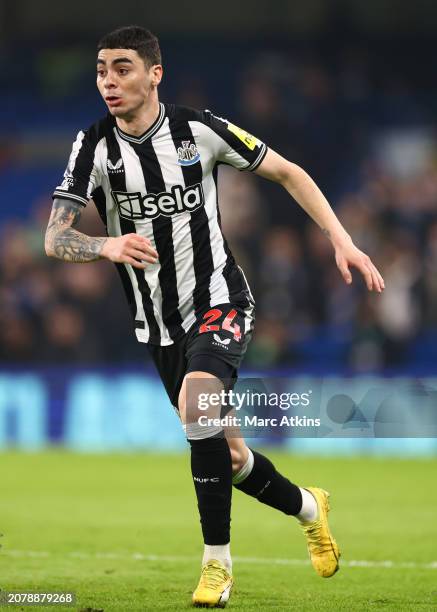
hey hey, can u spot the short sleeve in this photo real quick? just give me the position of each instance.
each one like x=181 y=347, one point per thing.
x=235 y=146
x=81 y=176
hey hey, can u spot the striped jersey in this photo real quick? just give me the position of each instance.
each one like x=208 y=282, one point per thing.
x=163 y=185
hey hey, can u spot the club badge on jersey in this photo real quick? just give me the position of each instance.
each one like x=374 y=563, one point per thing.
x=188 y=154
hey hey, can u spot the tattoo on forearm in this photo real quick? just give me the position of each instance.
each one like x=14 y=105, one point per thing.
x=67 y=243
x=74 y=246
x=326 y=232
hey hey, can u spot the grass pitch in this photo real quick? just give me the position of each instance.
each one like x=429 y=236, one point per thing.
x=122 y=532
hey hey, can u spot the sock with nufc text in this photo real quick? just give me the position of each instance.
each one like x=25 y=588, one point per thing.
x=259 y=478
x=211 y=467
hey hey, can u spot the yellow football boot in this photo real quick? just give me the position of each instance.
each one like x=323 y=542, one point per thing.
x=214 y=586
x=323 y=549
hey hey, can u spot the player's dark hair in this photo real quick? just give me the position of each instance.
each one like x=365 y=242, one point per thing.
x=141 y=40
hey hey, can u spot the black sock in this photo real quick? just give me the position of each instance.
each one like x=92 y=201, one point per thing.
x=211 y=467
x=270 y=487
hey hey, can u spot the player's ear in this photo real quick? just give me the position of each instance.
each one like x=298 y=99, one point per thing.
x=156 y=74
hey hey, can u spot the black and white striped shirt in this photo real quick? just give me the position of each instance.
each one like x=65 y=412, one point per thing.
x=163 y=185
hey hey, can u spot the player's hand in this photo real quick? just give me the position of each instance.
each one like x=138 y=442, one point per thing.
x=347 y=255
x=132 y=249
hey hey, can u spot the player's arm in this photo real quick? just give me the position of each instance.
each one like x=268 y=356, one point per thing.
x=64 y=241
x=306 y=193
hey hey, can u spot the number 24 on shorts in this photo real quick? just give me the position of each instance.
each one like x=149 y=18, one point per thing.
x=214 y=314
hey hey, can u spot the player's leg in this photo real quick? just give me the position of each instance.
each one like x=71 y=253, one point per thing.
x=215 y=344
x=211 y=468
x=175 y=368
x=255 y=475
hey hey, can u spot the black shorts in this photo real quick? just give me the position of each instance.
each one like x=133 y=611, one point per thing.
x=215 y=343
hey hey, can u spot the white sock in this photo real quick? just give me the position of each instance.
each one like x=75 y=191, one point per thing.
x=309 y=510
x=221 y=552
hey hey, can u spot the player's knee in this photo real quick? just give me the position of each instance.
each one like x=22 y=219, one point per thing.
x=196 y=388
x=197 y=424
x=188 y=413
x=188 y=407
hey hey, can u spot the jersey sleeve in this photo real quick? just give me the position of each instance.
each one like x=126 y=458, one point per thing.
x=82 y=175
x=233 y=145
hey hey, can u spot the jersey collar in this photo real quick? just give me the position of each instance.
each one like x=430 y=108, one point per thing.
x=150 y=132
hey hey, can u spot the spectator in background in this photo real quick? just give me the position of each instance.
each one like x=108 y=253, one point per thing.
x=376 y=157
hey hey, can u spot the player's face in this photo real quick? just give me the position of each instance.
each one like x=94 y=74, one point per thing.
x=124 y=81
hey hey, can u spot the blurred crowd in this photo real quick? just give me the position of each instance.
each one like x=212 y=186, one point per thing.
x=369 y=144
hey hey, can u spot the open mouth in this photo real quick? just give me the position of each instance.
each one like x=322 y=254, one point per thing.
x=113 y=100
